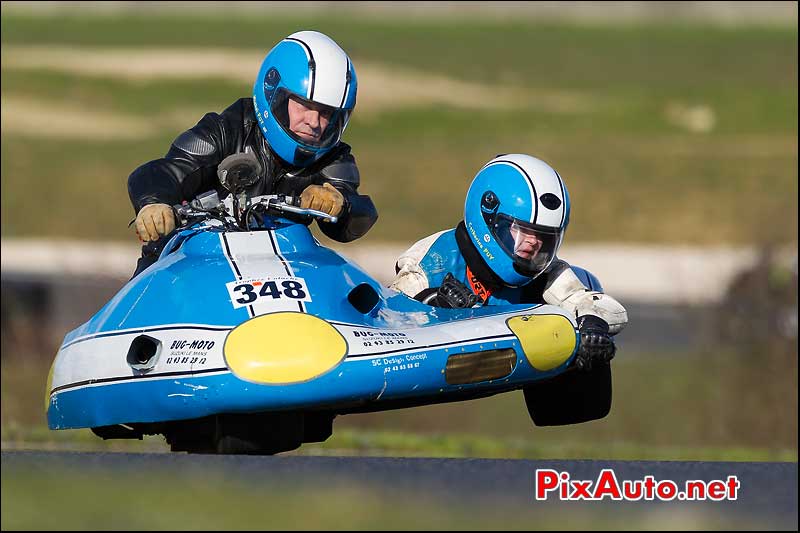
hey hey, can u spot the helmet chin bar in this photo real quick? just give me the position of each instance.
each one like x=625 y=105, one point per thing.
x=519 y=269
x=523 y=271
x=303 y=157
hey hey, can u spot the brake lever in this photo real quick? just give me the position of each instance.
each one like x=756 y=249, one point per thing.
x=288 y=206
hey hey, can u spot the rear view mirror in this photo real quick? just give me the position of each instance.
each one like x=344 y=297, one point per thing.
x=238 y=171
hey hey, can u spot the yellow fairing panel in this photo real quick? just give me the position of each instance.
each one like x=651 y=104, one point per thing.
x=281 y=348
x=547 y=340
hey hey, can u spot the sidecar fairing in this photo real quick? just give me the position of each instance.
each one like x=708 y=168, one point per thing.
x=253 y=341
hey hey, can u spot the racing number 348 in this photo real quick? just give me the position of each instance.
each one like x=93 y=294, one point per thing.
x=290 y=289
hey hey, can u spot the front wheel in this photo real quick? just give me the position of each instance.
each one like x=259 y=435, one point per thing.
x=573 y=397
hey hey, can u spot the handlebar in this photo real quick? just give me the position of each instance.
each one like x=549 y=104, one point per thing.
x=210 y=207
x=289 y=207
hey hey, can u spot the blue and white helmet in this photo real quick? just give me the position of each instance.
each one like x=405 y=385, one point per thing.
x=516 y=213
x=312 y=69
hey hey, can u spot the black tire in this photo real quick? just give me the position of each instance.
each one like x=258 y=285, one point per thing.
x=194 y=446
x=318 y=427
x=192 y=436
x=259 y=434
x=573 y=397
x=238 y=445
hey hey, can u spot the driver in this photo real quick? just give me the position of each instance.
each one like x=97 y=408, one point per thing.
x=505 y=252
x=303 y=97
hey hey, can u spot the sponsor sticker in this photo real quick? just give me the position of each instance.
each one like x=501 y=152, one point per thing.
x=399 y=363
x=189 y=351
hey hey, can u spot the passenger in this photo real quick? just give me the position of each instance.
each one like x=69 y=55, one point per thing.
x=505 y=252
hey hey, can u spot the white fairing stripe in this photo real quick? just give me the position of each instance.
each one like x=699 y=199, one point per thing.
x=190 y=350
x=331 y=67
x=181 y=350
x=366 y=343
x=257 y=257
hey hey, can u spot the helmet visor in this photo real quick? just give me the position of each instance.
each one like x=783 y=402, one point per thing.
x=308 y=123
x=531 y=247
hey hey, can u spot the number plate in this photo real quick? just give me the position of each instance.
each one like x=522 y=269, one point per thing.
x=264 y=290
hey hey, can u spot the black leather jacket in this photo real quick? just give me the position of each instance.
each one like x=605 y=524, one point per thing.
x=190 y=168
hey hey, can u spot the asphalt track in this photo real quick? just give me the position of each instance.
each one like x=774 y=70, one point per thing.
x=767 y=493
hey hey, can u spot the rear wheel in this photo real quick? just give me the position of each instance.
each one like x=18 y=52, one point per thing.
x=570 y=398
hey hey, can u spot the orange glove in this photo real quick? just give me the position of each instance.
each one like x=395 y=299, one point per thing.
x=323 y=197
x=153 y=221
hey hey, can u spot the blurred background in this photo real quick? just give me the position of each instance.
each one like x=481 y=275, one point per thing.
x=674 y=125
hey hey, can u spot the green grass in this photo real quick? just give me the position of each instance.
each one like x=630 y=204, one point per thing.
x=702 y=406
x=654 y=190
x=149 y=98
x=381 y=443
x=517 y=52
x=681 y=403
x=634 y=174
x=406 y=444
x=210 y=499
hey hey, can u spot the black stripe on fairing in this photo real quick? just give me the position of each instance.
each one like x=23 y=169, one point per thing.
x=283 y=262
x=533 y=188
x=143 y=330
x=428 y=346
x=136 y=378
x=229 y=255
x=312 y=65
